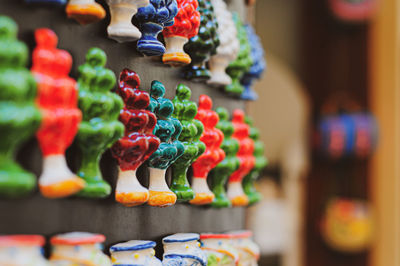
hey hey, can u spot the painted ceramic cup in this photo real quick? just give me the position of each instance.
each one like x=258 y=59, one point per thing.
x=134 y=252
x=138 y=143
x=85 y=11
x=186 y=26
x=212 y=137
x=183 y=249
x=58 y=101
x=78 y=248
x=219 y=249
x=249 y=251
x=121 y=28
x=228 y=48
x=22 y=250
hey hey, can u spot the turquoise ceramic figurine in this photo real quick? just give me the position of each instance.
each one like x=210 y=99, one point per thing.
x=19 y=116
x=243 y=62
x=203 y=45
x=220 y=174
x=261 y=162
x=258 y=66
x=167 y=130
x=151 y=20
x=100 y=127
x=185 y=111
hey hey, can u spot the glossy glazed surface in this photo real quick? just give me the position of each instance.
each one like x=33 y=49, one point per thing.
x=19 y=116
x=85 y=11
x=100 y=127
x=134 y=252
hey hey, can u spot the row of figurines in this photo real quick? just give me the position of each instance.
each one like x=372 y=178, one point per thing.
x=137 y=125
x=82 y=248
x=196 y=33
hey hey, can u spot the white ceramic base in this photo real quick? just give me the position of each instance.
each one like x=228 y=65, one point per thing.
x=234 y=190
x=129 y=191
x=174 y=44
x=157 y=180
x=81 y=2
x=218 y=65
x=55 y=170
x=135 y=257
x=22 y=255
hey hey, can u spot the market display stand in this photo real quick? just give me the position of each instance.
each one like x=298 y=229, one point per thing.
x=35 y=214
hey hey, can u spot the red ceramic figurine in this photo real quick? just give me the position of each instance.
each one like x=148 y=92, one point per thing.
x=57 y=99
x=186 y=26
x=246 y=158
x=212 y=138
x=138 y=143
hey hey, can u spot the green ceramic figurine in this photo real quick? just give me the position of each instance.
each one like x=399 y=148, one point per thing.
x=243 y=62
x=185 y=111
x=100 y=127
x=167 y=130
x=202 y=46
x=261 y=162
x=220 y=174
x=19 y=116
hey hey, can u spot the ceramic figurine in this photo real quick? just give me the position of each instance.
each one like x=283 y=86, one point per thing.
x=151 y=20
x=19 y=116
x=192 y=129
x=220 y=174
x=246 y=158
x=167 y=130
x=203 y=45
x=228 y=48
x=85 y=11
x=219 y=250
x=243 y=62
x=186 y=26
x=134 y=252
x=260 y=163
x=354 y=11
x=78 y=248
x=138 y=143
x=22 y=250
x=100 y=127
x=258 y=66
x=57 y=99
x=55 y=2
x=250 y=2
x=184 y=250
x=121 y=28
x=212 y=137
x=348 y=225
x=249 y=252
x=332 y=136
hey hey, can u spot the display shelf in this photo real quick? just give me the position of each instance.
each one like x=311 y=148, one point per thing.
x=35 y=214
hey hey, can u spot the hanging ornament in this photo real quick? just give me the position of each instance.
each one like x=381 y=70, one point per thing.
x=85 y=11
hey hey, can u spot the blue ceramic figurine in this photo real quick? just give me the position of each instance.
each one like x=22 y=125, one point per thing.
x=258 y=66
x=151 y=20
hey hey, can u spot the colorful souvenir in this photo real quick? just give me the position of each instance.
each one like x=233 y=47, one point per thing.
x=57 y=99
x=258 y=66
x=186 y=26
x=353 y=11
x=19 y=116
x=185 y=111
x=85 y=11
x=250 y=2
x=347 y=225
x=22 y=250
x=121 y=28
x=212 y=137
x=219 y=250
x=134 y=252
x=203 y=45
x=243 y=62
x=220 y=174
x=167 y=130
x=249 y=252
x=151 y=20
x=246 y=158
x=228 y=48
x=78 y=248
x=100 y=127
x=138 y=143
x=56 y=2
x=260 y=163
x=183 y=249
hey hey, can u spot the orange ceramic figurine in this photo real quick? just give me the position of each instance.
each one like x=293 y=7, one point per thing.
x=85 y=11
x=57 y=99
x=212 y=138
x=186 y=26
x=246 y=158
